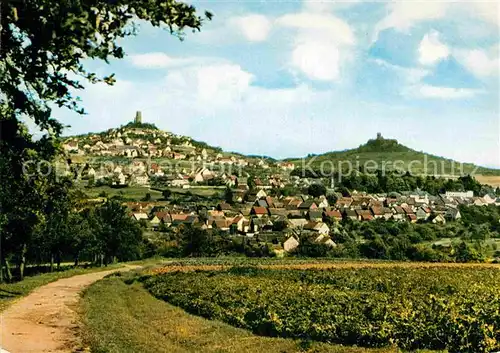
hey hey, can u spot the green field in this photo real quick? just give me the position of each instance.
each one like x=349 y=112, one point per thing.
x=414 y=306
x=489 y=246
x=135 y=193
x=125 y=318
x=203 y=192
x=138 y=193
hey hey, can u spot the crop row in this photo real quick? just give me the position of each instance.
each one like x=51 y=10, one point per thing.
x=456 y=309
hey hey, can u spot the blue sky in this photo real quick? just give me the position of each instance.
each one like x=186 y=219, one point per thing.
x=288 y=78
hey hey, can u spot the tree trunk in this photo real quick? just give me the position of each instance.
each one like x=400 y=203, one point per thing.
x=22 y=261
x=101 y=260
x=1 y=268
x=76 y=260
x=8 y=272
x=58 y=261
x=51 y=262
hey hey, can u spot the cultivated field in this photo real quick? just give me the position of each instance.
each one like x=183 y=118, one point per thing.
x=209 y=265
x=121 y=318
x=411 y=306
x=493 y=180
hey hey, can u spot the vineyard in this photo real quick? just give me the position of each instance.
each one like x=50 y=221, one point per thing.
x=456 y=308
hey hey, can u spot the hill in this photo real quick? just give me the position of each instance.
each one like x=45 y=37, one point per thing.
x=390 y=155
x=138 y=139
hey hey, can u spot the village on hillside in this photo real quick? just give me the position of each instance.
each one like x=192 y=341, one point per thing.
x=251 y=205
x=179 y=160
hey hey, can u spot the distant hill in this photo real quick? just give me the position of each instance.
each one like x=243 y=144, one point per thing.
x=379 y=153
x=140 y=125
x=382 y=153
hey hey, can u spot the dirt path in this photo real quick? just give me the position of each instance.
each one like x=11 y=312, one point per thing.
x=45 y=320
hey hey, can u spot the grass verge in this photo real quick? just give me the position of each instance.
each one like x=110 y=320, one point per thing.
x=121 y=318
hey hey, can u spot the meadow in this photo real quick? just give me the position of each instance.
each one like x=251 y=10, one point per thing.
x=410 y=306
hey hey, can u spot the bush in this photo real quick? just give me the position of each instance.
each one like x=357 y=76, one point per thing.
x=316 y=190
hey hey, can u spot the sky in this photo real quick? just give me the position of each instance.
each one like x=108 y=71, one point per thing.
x=289 y=78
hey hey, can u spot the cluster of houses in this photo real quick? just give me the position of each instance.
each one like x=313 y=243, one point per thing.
x=139 y=141
x=142 y=142
x=290 y=218
x=181 y=161
x=144 y=174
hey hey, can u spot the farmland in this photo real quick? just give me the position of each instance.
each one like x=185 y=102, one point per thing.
x=411 y=306
x=493 y=180
x=121 y=318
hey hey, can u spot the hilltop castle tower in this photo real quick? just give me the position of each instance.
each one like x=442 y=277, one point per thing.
x=379 y=136
x=138 y=117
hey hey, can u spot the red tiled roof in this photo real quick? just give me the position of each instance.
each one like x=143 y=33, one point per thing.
x=221 y=223
x=260 y=210
x=407 y=209
x=161 y=215
x=333 y=213
x=179 y=217
x=377 y=211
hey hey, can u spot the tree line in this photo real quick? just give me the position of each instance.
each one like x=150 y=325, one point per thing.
x=43 y=221
x=389 y=240
x=38 y=218
x=387 y=182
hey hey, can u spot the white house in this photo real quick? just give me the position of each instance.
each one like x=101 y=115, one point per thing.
x=319 y=227
x=139 y=216
x=290 y=244
x=439 y=219
x=488 y=199
x=323 y=202
x=297 y=222
x=141 y=179
x=120 y=179
x=71 y=146
x=203 y=174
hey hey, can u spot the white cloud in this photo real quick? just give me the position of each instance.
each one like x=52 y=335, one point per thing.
x=329 y=26
x=234 y=29
x=157 y=60
x=321 y=44
x=480 y=62
x=254 y=27
x=317 y=60
x=224 y=82
x=487 y=10
x=431 y=50
x=428 y=91
x=414 y=87
x=322 y=6
x=410 y=75
x=216 y=84
x=404 y=14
